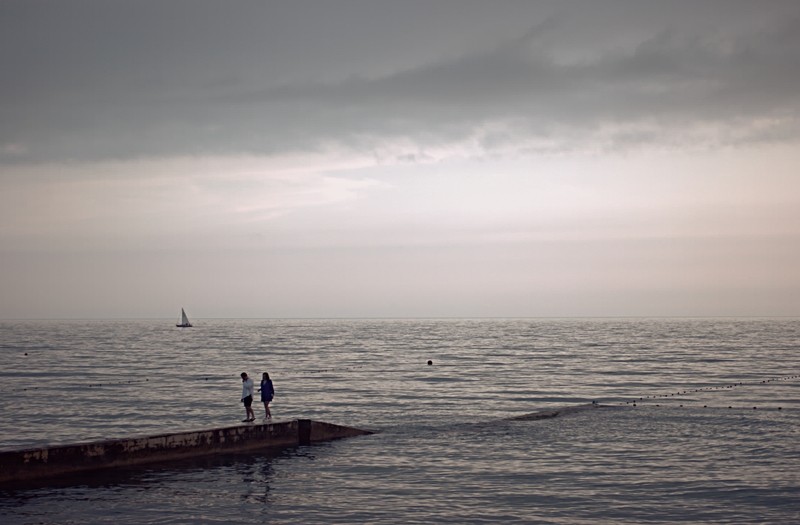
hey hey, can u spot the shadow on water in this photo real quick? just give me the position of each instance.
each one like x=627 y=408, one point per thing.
x=254 y=466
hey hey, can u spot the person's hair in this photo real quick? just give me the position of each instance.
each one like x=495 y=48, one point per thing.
x=265 y=375
x=244 y=374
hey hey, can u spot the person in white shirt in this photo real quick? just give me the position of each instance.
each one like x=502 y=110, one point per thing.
x=247 y=398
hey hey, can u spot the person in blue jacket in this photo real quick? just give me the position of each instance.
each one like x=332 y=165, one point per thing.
x=267 y=393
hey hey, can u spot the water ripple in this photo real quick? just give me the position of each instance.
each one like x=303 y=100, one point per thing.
x=670 y=450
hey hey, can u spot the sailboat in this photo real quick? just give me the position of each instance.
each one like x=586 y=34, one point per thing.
x=184 y=321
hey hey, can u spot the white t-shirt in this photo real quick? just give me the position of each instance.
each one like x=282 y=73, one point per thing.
x=247 y=388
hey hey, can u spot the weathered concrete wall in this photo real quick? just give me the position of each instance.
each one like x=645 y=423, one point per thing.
x=20 y=465
x=320 y=431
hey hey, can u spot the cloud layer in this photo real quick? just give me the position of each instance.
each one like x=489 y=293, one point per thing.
x=91 y=81
x=399 y=158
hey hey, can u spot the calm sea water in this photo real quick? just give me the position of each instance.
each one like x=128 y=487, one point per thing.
x=693 y=449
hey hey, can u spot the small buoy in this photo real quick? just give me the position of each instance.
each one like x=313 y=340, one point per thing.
x=430 y=362
x=26 y=353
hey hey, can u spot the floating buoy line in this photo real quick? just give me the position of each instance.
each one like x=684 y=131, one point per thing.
x=642 y=399
x=632 y=402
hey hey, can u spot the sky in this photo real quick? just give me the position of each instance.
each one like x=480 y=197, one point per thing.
x=376 y=158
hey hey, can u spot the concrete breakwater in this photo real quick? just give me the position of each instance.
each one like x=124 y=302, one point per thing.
x=549 y=414
x=42 y=463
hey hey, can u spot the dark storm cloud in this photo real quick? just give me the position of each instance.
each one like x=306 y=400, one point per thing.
x=93 y=80
x=670 y=79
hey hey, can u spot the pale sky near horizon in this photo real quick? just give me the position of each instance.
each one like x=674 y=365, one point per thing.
x=370 y=158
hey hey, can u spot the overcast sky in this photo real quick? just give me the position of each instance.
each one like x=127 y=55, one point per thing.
x=373 y=158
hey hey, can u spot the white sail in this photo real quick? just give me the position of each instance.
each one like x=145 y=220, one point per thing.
x=184 y=320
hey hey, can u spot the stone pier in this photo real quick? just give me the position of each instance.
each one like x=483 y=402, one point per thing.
x=42 y=463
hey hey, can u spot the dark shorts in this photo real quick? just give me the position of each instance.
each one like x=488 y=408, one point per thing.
x=265 y=399
x=248 y=401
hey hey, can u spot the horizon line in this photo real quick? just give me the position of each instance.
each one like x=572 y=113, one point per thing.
x=405 y=318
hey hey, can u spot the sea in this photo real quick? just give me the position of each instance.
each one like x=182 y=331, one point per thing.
x=697 y=420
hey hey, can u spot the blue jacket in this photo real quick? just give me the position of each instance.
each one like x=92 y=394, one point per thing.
x=267 y=390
